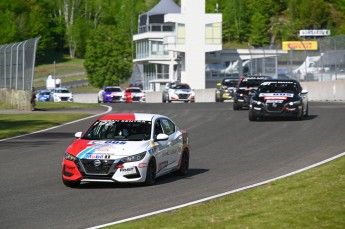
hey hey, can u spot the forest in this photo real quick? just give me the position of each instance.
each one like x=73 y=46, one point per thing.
x=100 y=31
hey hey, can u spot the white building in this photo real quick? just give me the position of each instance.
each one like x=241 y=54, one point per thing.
x=185 y=44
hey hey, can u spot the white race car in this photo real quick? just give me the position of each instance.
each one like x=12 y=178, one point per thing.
x=126 y=148
x=61 y=94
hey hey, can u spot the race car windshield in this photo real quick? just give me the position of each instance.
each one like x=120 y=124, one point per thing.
x=122 y=130
x=133 y=90
x=230 y=82
x=180 y=86
x=112 y=89
x=62 y=91
x=278 y=87
x=250 y=83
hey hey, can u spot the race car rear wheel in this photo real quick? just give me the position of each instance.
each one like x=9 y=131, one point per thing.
x=71 y=184
x=182 y=171
x=151 y=172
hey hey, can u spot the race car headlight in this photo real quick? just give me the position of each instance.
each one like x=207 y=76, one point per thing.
x=137 y=157
x=254 y=102
x=295 y=103
x=70 y=157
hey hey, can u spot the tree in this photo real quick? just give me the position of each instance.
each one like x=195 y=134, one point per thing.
x=108 y=59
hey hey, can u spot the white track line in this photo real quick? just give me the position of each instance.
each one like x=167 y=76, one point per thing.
x=39 y=131
x=219 y=195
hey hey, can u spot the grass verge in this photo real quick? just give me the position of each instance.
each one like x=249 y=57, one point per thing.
x=312 y=199
x=18 y=124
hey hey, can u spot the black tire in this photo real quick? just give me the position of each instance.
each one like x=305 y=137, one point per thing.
x=301 y=114
x=183 y=170
x=307 y=112
x=151 y=173
x=235 y=107
x=252 y=117
x=71 y=184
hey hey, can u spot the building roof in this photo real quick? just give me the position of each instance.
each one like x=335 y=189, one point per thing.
x=164 y=7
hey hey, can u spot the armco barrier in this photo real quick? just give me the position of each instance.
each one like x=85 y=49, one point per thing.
x=326 y=90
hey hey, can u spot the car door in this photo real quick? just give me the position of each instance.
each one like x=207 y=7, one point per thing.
x=174 y=142
x=161 y=148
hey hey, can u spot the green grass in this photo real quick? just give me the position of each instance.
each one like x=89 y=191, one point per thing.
x=65 y=66
x=64 y=105
x=312 y=199
x=17 y=124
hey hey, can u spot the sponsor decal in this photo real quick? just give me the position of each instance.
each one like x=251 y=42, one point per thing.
x=276 y=95
x=162 y=165
x=275 y=98
x=97 y=156
x=107 y=142
x=274 y=101
x=142 y=165
x=127 y=171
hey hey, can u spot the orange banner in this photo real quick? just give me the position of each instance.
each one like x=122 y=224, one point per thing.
x=300 y=45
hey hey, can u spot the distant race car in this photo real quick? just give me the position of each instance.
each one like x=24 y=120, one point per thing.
x=135 y=148
x=61 y=94
x=43 y=96
x=246 y=89
x=226 y=89
x=111 y=94
x=178 y=92
x=279 y=97
x=134 y=94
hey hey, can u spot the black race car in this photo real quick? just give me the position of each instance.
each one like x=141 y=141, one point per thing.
x=246 y=89
x=279 y=97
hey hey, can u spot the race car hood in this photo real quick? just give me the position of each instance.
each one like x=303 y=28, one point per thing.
x=111 y=93
x=109 y=149
x=285 y=97
x=135 y=93
x=182 y=91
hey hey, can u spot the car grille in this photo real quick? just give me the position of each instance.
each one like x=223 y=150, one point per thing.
x=136 y=98
x=116 y=98
x=183 y=96
x=275 y=106
x=102 y=169
x=64 y=98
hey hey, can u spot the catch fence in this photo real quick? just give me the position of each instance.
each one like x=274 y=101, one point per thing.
x=17 y=64
x=325 y=63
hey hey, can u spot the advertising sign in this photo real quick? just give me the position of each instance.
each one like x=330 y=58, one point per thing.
x=300 y=45
x=314 y=33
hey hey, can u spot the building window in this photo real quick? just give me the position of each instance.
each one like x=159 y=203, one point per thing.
x=181 y=34
x=142 y=49
x=157 y=48
x=213 y=34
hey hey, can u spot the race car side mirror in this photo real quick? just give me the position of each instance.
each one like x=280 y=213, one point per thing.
x=78 y=135
x=162 y=137
x=304 y=91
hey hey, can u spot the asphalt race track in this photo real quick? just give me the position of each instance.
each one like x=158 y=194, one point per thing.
x=227 y=152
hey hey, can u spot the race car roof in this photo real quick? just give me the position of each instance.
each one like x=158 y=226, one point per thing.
x=128 y=116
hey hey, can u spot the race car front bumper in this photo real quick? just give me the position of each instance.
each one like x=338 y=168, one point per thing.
x=106 y=171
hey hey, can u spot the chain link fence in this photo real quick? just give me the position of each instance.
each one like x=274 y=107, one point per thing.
x=17 y=64
x=324 y=64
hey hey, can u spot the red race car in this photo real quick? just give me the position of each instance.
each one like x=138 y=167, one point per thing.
x=134 y=94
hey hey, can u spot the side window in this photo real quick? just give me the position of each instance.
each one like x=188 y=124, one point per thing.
x=168 y=126
x=158 y=128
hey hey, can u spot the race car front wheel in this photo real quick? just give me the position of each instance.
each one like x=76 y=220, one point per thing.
x=151 y=172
